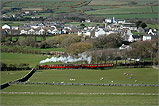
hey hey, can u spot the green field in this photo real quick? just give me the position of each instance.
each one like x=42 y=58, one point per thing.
x=14 y=58
x=122 y=10
x=121 y=2
x=128 y=16
x=90 y=7
x=7 y=76
x=77 y=100
x=107 y=2
x=86 y=24
x=83 y=95
x=12 y=23
x=146 y=76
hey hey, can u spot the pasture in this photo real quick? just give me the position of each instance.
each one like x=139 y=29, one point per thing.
x=36 y=94
x=128 y=16
x=122 y=2
x=75 y=99
x=122 y=10
x=15 y=58
x=116 y=8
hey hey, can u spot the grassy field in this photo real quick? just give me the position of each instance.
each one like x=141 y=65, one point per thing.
x=82 y=95
x=94 y=7
x=146 y=76
x=95 y=100
x=107 y=2
x=128 y=16
x=14 y=58
x=86 y=24
x=122 y=10
x=12 y=23
x=121 y=2
x=7 y=76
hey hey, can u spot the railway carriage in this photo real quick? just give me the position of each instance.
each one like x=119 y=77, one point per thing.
x=76 y=66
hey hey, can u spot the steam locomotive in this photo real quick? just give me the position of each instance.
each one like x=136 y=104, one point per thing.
x=76 y=66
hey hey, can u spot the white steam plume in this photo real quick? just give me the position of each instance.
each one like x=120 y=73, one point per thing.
x=70 y=59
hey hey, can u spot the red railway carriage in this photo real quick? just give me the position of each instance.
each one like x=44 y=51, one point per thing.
x=75 y=66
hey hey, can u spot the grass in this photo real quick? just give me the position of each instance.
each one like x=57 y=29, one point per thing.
x=128 y=16
x=12 y=23
x=78 y=100
x=86 y=24
x=121 y=2
x=49 y=49
x=7 y=76
x=15 y=58
x=79 y=89
x=98 y=6
x=122 y=10
x=153 y=26
x=143 y=75
x=108 y=2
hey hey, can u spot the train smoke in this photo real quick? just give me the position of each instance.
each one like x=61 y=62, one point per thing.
x=68 y=59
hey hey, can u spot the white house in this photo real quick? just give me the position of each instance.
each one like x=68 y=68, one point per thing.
x=121 y=21
x=41 y=31
x=130 y=36
x=31 y=31
x=125 y=47
x=147 y=37
x=55 y=31
x=110 y=20
x=150 y=32
x=88 y=20
x=6 y=27
x=15 y=27
x=34 y=27
x=99 y=32
x=84 y=33
x=23 y=32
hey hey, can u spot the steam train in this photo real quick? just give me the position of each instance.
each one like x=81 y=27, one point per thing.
x=76 y=66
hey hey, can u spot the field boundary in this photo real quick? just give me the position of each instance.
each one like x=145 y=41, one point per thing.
x=86 y=84
x=68 y=93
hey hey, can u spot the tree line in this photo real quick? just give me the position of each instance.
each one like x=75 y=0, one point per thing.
x=12 y=67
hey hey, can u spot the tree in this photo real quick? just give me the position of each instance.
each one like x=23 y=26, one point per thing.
x=143 y=25
x=111 y=41
x=52 y=43
x=79 y=47
x=143 y=50
x=140 y=24
x=29 y=41
x=68 y=41
x=82 y=25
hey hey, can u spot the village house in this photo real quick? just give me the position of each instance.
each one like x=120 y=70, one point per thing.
x=147 y=37
x=6 y=27
x=125 y=47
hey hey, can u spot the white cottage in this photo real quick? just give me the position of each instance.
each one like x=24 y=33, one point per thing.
x=99 y=32
x=130 y=36
x=23 y=32
x=6 y=27
x=147 y=37
x=41 y=31
x=31 y=31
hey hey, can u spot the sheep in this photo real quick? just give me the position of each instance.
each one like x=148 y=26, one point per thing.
x=72 y=79
x=112 y=81
x=126 y=74
x=101 y=78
